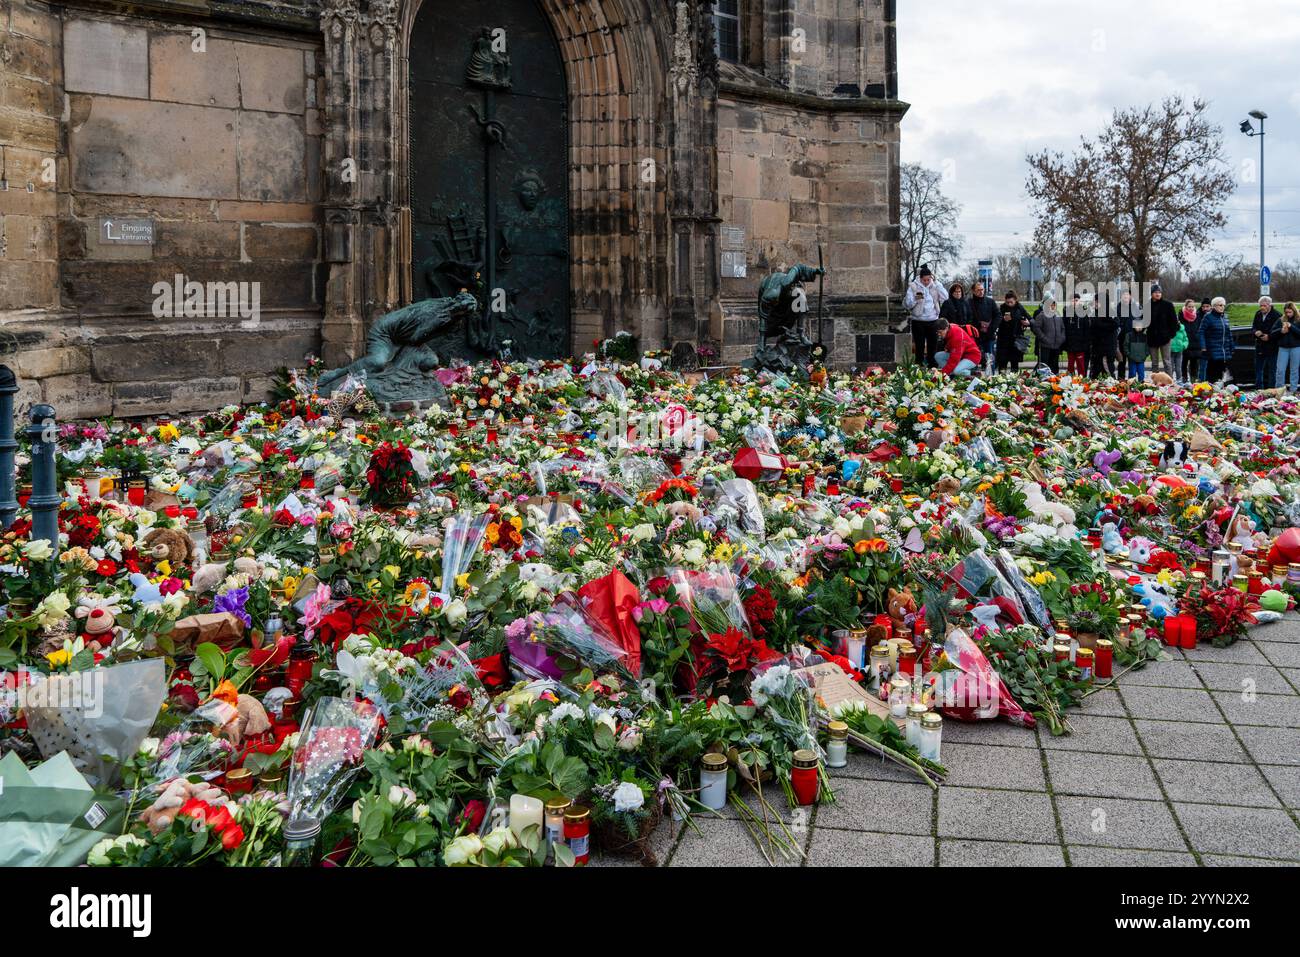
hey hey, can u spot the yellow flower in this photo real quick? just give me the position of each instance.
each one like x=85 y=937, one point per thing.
x=289 y=586
x=58 y=659
x=165 y=567
x=394 y=570
x=724 y=552
x=462 y=581
x=168 y=433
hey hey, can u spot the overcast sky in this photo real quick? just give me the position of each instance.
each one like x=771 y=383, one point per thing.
x=991 y=81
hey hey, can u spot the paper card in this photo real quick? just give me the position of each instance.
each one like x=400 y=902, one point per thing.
x=833 y=686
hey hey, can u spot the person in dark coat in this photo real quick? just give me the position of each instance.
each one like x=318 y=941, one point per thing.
x=985 y=316
x=1161 y=332
x=1216 y=340
x=1202 y=361
x=1103 y=343
x=1266 y=319
x=956 y=309
x=1191 y=320
x=1077 y=323
x=1049 y=330
x=1013 y=333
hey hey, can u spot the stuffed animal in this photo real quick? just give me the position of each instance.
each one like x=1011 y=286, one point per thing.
x=159 y=815
x=684 y=510
x=947 y=486
x=1056 y=514
x=99 y=615
x=214 y=573
x=146 y=592
x=169 y=544
x=1103 y=462
x=1139 y=550
x=1156 y=598
x=250 y=721
x=1111 y=540
x=901 y=605
x=1274 y=600
x=1174 y=455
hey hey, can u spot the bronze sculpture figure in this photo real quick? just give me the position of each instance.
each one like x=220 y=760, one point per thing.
x=401 y=351
x=782 y=306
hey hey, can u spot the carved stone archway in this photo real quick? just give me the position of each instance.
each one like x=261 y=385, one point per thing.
x=642 y=80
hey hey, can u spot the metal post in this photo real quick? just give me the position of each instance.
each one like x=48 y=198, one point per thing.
x=8 y=446
x=1262 y=261
x=45 y=500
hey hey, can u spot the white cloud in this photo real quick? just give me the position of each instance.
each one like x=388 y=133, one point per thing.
x=991 y=82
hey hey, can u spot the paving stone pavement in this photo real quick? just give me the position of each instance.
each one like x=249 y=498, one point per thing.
x=1193 y=761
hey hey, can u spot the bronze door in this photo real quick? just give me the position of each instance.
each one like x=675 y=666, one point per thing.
x=489 y=171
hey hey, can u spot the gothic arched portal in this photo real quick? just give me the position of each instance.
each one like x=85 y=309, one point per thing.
x=639 y=84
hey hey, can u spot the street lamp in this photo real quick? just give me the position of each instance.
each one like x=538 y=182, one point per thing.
x=1248 y=128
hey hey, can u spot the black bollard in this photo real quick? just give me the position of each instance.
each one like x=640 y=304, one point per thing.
x=45 y=500
x=8 y=446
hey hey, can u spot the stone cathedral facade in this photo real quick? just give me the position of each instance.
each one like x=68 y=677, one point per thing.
x=194 y=193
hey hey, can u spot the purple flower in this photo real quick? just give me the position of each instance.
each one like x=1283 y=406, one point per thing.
x=234 y=601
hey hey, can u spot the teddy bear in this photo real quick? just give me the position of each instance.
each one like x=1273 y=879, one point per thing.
x=169 y=544
x=159 y=815
x=902 y=607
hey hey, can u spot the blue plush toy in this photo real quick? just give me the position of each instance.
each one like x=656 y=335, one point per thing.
x=850 y=469
x=1155 y=598
x=1111 y=540
x=146 y=592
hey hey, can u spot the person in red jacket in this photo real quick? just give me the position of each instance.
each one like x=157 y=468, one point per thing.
x=958 y=355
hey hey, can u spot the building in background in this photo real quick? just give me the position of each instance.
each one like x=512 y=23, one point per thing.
x=198 y=192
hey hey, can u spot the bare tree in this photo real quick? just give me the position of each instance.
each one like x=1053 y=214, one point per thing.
x=929 y=222
x=1150 y=187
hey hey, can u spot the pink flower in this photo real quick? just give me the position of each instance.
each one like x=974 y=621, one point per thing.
x=314 y=610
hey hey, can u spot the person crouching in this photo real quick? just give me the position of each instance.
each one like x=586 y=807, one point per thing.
x=958 y=354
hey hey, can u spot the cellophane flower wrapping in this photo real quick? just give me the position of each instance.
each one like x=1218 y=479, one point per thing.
x=99 y=716
x=713 y=597
x=567 y=630
x=975 y=692
x=331 y=742
x=610 y=600
x=461 y=540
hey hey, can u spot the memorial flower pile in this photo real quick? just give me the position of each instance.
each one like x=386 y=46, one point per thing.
x=582 y=601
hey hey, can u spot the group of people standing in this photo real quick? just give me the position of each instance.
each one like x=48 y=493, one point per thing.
x=962 y=334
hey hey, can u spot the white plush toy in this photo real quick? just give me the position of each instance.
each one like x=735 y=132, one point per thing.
x=1059 y=516
x=1156 y=598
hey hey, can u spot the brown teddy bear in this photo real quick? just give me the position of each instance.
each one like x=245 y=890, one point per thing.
x=169 y=544
x=900 y=604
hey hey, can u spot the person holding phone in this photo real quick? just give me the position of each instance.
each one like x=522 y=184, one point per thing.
x=924 y=298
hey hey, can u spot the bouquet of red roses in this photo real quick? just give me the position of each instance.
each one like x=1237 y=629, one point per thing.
x=390 y=475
